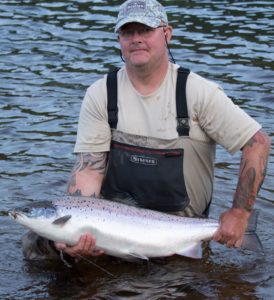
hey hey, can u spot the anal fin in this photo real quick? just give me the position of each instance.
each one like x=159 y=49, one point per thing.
x=193 y=251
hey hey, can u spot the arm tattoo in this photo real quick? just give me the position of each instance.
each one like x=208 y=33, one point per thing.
x=87 y=161
x=77 y=193
x=92 y=161
x=252 y=171
x=244 y=196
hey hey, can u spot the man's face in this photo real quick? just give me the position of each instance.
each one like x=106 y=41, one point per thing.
x=141 y=45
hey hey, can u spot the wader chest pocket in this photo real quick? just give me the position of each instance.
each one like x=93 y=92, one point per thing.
x=153 y=177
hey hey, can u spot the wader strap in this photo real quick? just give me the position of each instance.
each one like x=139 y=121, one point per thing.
x=112 y=94
x=181 y=103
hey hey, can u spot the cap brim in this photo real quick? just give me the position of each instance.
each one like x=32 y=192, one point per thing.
x=141 y=20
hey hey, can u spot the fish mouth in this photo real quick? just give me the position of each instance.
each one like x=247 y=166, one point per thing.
x=13 y=214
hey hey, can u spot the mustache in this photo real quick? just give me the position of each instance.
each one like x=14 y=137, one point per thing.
x=137 y=46
x=137 y=49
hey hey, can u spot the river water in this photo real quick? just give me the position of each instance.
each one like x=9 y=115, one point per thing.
x=50 y=52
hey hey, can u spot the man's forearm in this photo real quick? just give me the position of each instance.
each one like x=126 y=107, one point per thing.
x=87 y=175
x=252 y=171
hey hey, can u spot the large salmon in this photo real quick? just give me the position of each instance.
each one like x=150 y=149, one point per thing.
x=120 y=230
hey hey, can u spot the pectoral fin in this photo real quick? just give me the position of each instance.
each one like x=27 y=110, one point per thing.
x=138 y=256
x=133 y=257
x=61 y=221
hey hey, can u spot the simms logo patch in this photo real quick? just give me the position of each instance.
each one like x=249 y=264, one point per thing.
x=144 y=160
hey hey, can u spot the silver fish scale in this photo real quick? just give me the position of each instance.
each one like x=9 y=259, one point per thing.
x=88 y=204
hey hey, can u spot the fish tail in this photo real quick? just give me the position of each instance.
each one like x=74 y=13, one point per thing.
x=251 y=240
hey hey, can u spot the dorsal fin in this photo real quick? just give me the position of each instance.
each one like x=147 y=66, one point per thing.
x=61 y=221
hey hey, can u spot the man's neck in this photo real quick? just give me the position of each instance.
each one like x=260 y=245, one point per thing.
x=145 y=79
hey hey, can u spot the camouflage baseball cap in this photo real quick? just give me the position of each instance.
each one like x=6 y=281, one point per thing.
x=148 y=12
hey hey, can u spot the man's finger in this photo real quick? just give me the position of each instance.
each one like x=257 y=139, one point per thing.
x=60 y=246
x=217 y=236
x=238 y=243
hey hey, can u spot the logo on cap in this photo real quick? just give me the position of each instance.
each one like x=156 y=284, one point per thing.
x=135 y=6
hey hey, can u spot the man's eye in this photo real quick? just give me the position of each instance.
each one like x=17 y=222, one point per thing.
x=145 y=30
x=128 y=32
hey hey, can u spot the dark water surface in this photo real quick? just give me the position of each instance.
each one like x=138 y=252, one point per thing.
x=50 y=52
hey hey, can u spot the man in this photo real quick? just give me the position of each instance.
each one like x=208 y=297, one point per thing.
x=143 y=151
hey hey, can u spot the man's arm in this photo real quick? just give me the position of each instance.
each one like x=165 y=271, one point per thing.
x=87 y=174
x=85 y=180
x=233 y=222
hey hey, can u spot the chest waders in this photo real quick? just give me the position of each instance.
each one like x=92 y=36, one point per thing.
x=151 y=177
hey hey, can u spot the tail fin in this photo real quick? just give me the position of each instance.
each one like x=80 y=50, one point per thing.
x=251 y=240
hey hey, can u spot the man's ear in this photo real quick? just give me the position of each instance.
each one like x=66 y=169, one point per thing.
x=168 y=33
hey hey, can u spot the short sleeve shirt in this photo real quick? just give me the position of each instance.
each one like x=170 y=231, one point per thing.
x=213 y=119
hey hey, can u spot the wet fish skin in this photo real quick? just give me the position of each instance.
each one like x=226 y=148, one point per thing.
x=120 y=230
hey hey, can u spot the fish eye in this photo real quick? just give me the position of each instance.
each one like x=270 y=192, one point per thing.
x=26 y=210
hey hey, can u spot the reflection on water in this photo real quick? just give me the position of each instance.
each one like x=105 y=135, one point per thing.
x=50 y=52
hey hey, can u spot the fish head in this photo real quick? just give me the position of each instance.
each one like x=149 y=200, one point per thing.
x=43 y=218
x=34 y=212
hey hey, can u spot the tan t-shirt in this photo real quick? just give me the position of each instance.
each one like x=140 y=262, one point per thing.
x=213 y=119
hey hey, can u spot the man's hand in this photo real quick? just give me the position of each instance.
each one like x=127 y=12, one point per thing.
x=85 y=247
x=233 y=224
